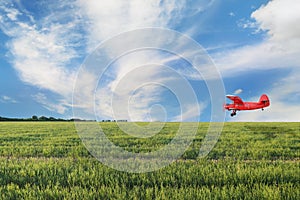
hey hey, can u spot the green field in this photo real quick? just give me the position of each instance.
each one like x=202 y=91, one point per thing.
x=47 y=160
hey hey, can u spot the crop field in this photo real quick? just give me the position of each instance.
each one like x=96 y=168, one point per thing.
x=47 y=160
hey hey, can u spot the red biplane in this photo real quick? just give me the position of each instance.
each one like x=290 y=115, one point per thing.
x=238 y=104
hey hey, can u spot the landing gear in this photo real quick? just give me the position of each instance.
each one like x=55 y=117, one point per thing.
x=262 y=109
x=233 y=113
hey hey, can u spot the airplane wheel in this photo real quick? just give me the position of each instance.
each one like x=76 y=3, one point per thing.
x=232 y=114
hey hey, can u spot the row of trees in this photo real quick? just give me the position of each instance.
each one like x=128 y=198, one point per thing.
x=41 y=118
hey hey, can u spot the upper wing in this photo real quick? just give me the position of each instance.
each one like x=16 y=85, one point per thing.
x=235 y=99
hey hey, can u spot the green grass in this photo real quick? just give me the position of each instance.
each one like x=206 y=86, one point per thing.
x=47 y=160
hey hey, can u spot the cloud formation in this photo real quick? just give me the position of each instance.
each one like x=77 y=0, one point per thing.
x=7 y=99
x=238 y=91
x=41 y=49
x=130 y=72
x=47 y=48
x=109 y=18
x=134 y=78
x=278 y=19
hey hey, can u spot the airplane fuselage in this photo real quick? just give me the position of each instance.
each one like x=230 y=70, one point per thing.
x=245 y=106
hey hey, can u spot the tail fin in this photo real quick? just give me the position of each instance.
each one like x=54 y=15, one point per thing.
x=264 y=99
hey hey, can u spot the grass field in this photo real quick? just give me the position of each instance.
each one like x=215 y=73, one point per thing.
x=47 y=160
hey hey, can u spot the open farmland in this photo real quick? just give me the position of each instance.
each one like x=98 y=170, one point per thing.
x=47 y=160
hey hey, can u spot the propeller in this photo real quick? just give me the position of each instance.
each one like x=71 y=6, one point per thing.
x=224 y=104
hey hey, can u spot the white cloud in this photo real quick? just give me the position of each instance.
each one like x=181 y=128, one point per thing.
x=280 y=50
x=191 y=112
x=109 y=18
x=12 y=14
x=280 y=18
x=60 y=107
x=7 y=99
x=231 y=14
x=238 y=91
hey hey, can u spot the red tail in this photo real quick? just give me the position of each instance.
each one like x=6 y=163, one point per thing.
x=264 y=99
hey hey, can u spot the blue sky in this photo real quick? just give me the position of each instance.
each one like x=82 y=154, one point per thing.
x=254 y=45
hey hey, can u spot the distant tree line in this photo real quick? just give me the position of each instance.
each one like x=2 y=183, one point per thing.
x=41 y=118
x=114 y=120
